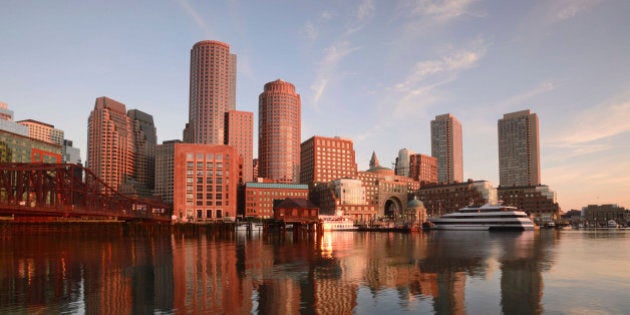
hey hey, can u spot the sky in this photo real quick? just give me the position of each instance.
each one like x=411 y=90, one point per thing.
x=376 y=72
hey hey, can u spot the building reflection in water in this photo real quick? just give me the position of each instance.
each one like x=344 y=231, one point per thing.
x=134 y=270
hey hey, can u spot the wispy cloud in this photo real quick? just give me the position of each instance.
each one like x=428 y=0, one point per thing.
x=418 y=89
x=195 y=17
x=364 y=12
x=328 y=67
x=605 y=120
x=567 y=9
x=524 y=96
x=438 y=11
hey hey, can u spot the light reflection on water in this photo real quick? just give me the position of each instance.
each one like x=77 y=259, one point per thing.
x=137 y=269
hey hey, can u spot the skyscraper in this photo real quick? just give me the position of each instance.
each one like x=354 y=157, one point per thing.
x=145 y=141
x=519 y=149
x=446 y=146
x=110 y=142
x=121 y=147
x=279 y=111
x=212 y=92
x=239 y=133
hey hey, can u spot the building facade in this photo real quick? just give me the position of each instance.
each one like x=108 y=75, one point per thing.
x=205 y=181
x=17 y=148
x=445 y=198
x=423 y=168
x=345 y=196
x=446 y=146
x=110 y=145
x=402 y=162
x=7 y=123
x=538 y=201
x=260 y=197
x=165 y=170
x=212 y=92
x=598 y=216
x=70 y=154
x=324 y=159
x=145 y=141
x=239 y=133
x=43 y=131
x=519 y=149
x=279 y=135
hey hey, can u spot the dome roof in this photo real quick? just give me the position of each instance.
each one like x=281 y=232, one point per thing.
x=415 y=203
x=380 y=169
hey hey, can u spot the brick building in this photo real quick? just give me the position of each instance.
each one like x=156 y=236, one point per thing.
x=239 y=133
x=440 y=199
x=324 y=159
x=259 y=197
x=205 y=181
x=538 y=201
x=423 y=168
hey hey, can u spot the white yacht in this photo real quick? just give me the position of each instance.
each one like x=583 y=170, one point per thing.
x=486 y=217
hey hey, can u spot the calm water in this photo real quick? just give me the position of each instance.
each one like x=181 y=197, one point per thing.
x=122 y=270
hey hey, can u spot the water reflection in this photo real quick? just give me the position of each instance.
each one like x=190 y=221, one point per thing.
x=126 y=270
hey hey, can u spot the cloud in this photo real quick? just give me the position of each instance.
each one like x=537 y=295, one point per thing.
x=420 y=88
x=195 y=16
x=567 y=9
x=599 y=122
x=310 y=31
x=522 y=97
x=438 y=10
x=364 y=12
x=328 y=67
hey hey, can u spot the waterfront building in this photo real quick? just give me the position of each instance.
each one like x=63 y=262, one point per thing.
x=260 y=197
x=402 y=162
x=294 y=210
x=385 y=191
x=598 y=216
x=239 y=133
x=69 y=153
x=212 y=92
x=110 y=143
x=440 y=199
x=43 y=131
x=446 y=146
x=324 y=159
x=7 y=123
x=519 y=149
x=347 y=196
x=279 y=135
x=17 y=148
x=164 y=170
x=205 y=181
x=423 y=168
x=539 y=201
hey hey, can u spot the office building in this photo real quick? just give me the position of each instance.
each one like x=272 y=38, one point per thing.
x=205 y=179
x=519 y=149
x=43 y=131
x=7 y=123
x=324 y=159
x=165 y=170
x=279 y=135
x=423 y=168
x=212 y=92
x=446 y=146
x=145 y=140
x=239 y=133
x=402 y=162
x=70 y=154
x=17 y=148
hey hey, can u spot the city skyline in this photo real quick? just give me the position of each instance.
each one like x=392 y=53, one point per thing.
x=372 y=72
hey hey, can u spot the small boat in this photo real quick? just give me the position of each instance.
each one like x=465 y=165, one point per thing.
x=484 y=218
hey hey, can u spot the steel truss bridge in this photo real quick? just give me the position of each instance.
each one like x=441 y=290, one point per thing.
x=36 y=191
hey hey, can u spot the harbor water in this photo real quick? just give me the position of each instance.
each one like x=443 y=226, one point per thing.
x=121 y=269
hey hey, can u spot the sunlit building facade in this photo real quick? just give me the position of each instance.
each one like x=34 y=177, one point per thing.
x=260 y=197
x=43 y=131
x=324 y=159
x=279 y=134
x=446 y=147
x=205 y=181
x=519 y=149
x=423 y=168
x=212 y=92
x=165 y=170
x=239 y=133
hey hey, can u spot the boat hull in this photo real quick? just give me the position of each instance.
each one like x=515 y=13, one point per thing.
x=472 y=227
